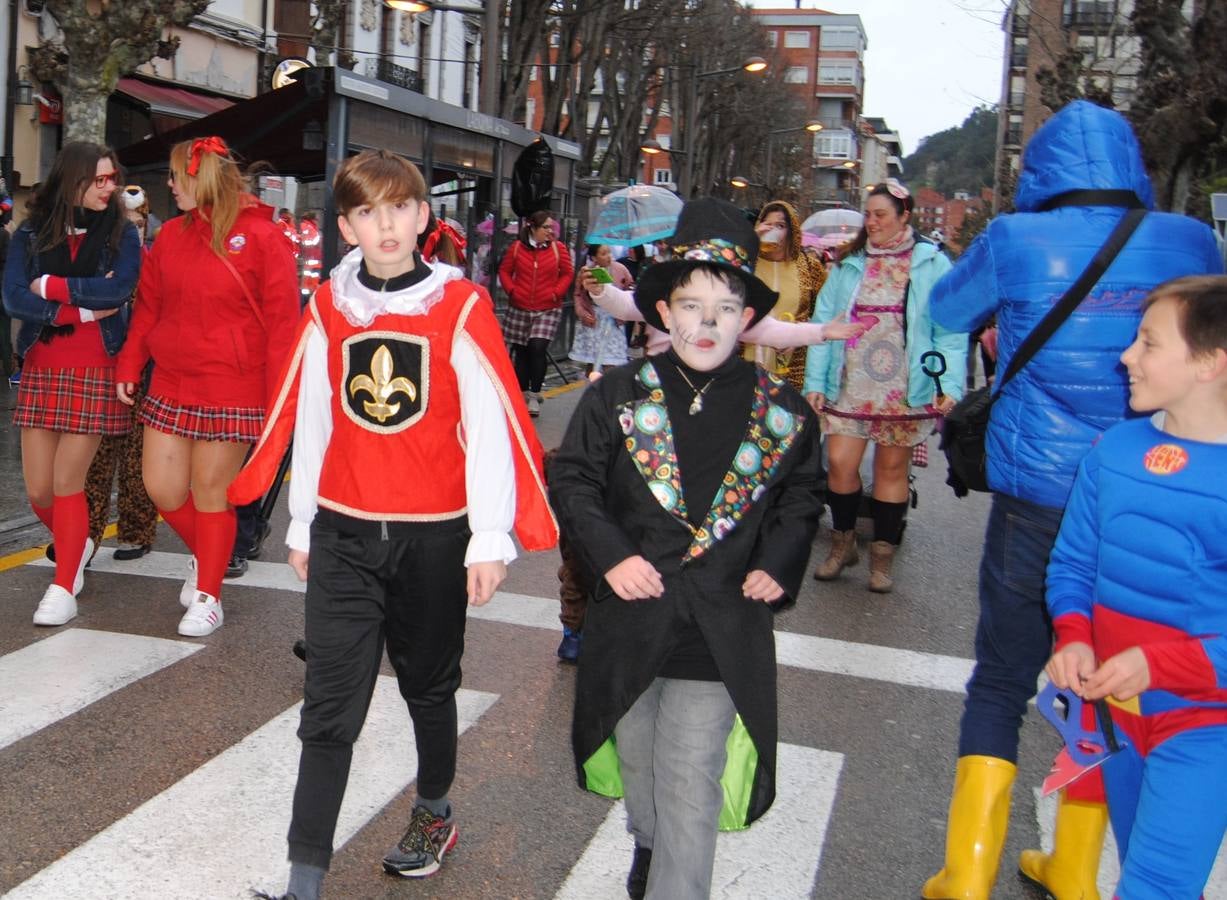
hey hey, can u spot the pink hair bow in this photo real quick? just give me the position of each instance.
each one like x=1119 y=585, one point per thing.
x=897 y=189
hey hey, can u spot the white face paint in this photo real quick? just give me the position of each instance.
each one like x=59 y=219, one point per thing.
x=704 y=318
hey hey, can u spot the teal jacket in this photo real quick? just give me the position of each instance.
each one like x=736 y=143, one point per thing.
x=824 y=365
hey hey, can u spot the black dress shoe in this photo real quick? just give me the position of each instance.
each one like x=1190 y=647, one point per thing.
x=637 y=880
x=124 y=554
x=237 y=567
x=257 y=546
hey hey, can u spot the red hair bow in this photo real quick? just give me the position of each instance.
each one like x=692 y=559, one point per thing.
x=200 y=147
x=432 y=240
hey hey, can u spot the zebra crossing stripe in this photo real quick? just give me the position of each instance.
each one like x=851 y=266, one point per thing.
x=220 y=831
x=816 y=654
x=66 y=672
x=779 y=854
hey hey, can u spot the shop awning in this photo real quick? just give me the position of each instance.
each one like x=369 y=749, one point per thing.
x=166 y=100
x=268 y=127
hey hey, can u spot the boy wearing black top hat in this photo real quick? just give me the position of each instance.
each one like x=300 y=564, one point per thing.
x=687 y=484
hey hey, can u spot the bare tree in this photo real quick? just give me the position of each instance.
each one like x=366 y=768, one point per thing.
x=97 y=44
x=1180 y=109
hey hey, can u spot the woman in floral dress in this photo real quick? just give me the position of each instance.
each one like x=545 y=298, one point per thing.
x=874 y=388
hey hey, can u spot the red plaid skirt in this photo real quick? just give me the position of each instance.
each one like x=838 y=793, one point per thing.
x=77 y=401
x=237 y=424
x=520 y=325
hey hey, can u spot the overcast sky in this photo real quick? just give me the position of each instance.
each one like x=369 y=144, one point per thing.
x=929 y=62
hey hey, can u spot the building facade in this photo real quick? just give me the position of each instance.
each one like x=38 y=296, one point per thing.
x=821 y=57
x=1037 y=34
x=228 y=54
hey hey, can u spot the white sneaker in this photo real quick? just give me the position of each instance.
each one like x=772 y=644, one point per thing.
x=203 y=616
x=57 y=607
x=534 y=403
x=187 y=593
x=79 y=581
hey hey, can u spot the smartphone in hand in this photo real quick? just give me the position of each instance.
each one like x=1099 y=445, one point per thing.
x=601 y=275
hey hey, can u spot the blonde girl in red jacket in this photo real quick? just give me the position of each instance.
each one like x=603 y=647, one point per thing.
x=536 y=274
x=215 y=311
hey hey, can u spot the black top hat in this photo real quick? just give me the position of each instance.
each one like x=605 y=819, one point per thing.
x=709 y=232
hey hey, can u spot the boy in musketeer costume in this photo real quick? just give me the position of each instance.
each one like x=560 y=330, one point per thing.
x=413 y=460
x=687 y=483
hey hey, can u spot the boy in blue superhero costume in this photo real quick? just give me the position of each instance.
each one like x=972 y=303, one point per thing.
x=1137 y=587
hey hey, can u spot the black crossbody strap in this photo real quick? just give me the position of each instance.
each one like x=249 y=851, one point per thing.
x=1075 y=295
x=1093 y=197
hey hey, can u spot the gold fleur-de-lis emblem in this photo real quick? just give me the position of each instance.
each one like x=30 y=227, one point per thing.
x=382 y=386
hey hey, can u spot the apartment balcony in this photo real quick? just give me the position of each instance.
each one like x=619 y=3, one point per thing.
x=1013 y=137
x=399 y=76
x=1087 y=15
x=1019 y=26
x=823 y=197
x=1018 y=59
x=1016 y=99
x=838 y=124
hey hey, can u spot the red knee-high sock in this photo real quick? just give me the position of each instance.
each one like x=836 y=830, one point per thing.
x=183 y=521
x=45 y=513
x=70 y=531
x=214 y=542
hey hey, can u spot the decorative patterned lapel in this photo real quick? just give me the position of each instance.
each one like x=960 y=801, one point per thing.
x=649 y=441
x=770 y=433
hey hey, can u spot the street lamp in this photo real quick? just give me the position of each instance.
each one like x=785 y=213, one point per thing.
x=813 y=126
x=741 y=182
x=753 y=65
x=487 y=100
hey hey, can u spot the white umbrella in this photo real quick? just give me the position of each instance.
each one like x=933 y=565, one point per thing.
x=834 y=221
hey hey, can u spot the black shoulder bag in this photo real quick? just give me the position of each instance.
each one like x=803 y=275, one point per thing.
x=966 y=426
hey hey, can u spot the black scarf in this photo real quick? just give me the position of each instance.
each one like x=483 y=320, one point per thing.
x=99 y=226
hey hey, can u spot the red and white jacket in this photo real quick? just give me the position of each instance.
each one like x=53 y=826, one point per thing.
x=212 y=343
x=404 y=407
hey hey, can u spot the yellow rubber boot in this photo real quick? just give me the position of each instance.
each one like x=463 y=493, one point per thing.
x=1071 y=870
x=975 y=830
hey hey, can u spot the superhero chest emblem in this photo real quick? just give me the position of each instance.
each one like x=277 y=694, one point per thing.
x=385 y=382
x=1165 y=459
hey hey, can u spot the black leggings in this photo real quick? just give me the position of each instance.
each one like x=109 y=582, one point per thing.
x=530 y=363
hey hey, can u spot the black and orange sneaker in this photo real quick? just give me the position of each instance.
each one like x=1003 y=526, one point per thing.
x=420 y=852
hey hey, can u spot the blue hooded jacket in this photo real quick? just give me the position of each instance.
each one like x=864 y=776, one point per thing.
x=1075 y=387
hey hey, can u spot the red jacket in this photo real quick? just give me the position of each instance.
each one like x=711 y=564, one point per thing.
x=536 y=278
x=209 y=347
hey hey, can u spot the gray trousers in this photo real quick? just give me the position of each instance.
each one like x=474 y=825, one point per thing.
x=671 y=750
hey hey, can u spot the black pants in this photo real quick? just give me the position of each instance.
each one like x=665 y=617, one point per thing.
x=531 y=360
x=407 y=588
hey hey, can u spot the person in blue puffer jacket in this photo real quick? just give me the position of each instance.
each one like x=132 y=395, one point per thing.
x=1045 y=421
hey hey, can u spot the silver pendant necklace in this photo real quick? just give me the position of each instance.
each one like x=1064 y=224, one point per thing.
x=696 y=405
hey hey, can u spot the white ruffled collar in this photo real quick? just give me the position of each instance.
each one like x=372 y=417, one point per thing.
x=360 y=305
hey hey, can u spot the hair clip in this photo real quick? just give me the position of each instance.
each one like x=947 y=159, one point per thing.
x=897 y=189
x=200 y=147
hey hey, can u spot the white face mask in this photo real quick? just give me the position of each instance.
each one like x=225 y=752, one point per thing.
x=704 y=319
x=773 y=236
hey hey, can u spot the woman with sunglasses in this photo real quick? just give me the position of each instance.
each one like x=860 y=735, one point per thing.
x=215 y=311
x=873 y=388
x=71 y=266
